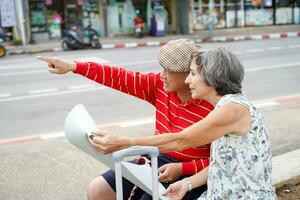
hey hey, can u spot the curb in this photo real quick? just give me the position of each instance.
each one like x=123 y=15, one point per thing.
x=288 y=164
x=161 y=43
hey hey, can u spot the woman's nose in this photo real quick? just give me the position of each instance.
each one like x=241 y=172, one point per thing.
x=187 y=80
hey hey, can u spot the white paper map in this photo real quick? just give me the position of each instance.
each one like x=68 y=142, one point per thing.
x=79 y=123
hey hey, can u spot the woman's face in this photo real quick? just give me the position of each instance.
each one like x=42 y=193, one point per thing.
x=198 y=87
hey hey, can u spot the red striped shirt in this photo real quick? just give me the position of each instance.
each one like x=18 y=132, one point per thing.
x=172 y=115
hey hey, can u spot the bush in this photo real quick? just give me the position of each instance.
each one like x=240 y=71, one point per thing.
x=17 y=42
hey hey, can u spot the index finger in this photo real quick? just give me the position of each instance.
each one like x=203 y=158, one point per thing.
x=45 y=59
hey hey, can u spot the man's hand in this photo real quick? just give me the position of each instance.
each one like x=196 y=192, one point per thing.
x=58 y=65
x=177 y=190
x=106 y=142
x=170 y=172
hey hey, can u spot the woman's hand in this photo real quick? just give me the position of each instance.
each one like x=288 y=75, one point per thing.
x=105 y=142
x=170 y=172
x=177 y=190
x=58 y=65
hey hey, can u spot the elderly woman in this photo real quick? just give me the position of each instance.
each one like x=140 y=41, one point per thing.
x=241 y=163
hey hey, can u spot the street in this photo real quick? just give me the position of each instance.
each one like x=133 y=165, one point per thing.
x=33 y=101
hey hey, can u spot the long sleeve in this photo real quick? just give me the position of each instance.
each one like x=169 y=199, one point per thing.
x=194 y=166
x=136 y=84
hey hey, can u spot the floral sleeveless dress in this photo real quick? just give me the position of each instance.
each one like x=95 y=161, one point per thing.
x=241 y=166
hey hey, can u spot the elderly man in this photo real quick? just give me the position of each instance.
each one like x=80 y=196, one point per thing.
x=175 y=110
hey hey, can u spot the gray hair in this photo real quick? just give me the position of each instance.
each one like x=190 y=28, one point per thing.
x=221 y=69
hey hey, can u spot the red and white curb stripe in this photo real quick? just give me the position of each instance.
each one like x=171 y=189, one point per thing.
x=161 y=43
x=269 y=103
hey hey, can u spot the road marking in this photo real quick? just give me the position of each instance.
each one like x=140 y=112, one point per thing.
x=21 y=66
x=93 y=59
x=46 y=71
x=49 y=94
x=23 y=73
x=254 y=50
x=87 y=88
x=274 y=48
x=2 y=95
x=237 y=52
x=52 y=135
x=136 y=62
x=43 y=91
x=76 y=87
x=136 y=122
x=273 y=67
x=294 y=46
x=266 y=104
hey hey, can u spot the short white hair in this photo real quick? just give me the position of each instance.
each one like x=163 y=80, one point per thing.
x=221 y=69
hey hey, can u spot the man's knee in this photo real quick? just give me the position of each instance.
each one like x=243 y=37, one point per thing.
x=99 y=189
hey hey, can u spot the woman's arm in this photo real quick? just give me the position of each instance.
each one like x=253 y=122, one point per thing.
x=178 y=189
x=231 y=118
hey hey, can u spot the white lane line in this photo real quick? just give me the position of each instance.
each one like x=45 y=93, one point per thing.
x=43 y=91
x=136 y=62
x=136 y=122
x=21 y=66
x=49 y=94
x=294 y=46
x=254 y=50
x=23 y=73
x=76 y=87
x=274 y=48
x=237 y=52
x=273 y=67
x=266 y=104
x=93 y=59
x=2 y=95
x=46 y=71
x=52 y=135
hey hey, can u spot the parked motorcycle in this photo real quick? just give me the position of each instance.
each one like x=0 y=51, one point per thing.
x=72 y=40
x=2 y=50
x=3 y=37
x=138 y=28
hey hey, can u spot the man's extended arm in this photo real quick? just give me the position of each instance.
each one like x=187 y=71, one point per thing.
x=133 y=83
x=140 y=85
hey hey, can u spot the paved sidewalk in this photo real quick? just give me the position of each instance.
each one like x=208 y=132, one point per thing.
x=219 y=35
x=54 y=169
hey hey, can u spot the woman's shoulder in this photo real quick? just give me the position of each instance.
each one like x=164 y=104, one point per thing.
x=239 y=98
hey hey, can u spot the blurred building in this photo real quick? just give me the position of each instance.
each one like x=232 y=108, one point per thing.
x=38 y=20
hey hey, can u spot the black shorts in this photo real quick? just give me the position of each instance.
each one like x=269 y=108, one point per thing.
x=162 y=159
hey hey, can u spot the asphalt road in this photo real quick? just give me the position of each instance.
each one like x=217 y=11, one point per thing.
x=33 y=101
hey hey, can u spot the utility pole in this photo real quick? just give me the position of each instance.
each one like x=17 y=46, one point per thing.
x=21 y=20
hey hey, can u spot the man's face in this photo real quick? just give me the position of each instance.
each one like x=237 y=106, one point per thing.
x=174 y=81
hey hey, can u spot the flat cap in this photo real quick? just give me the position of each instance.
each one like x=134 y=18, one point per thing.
x=176 y=55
